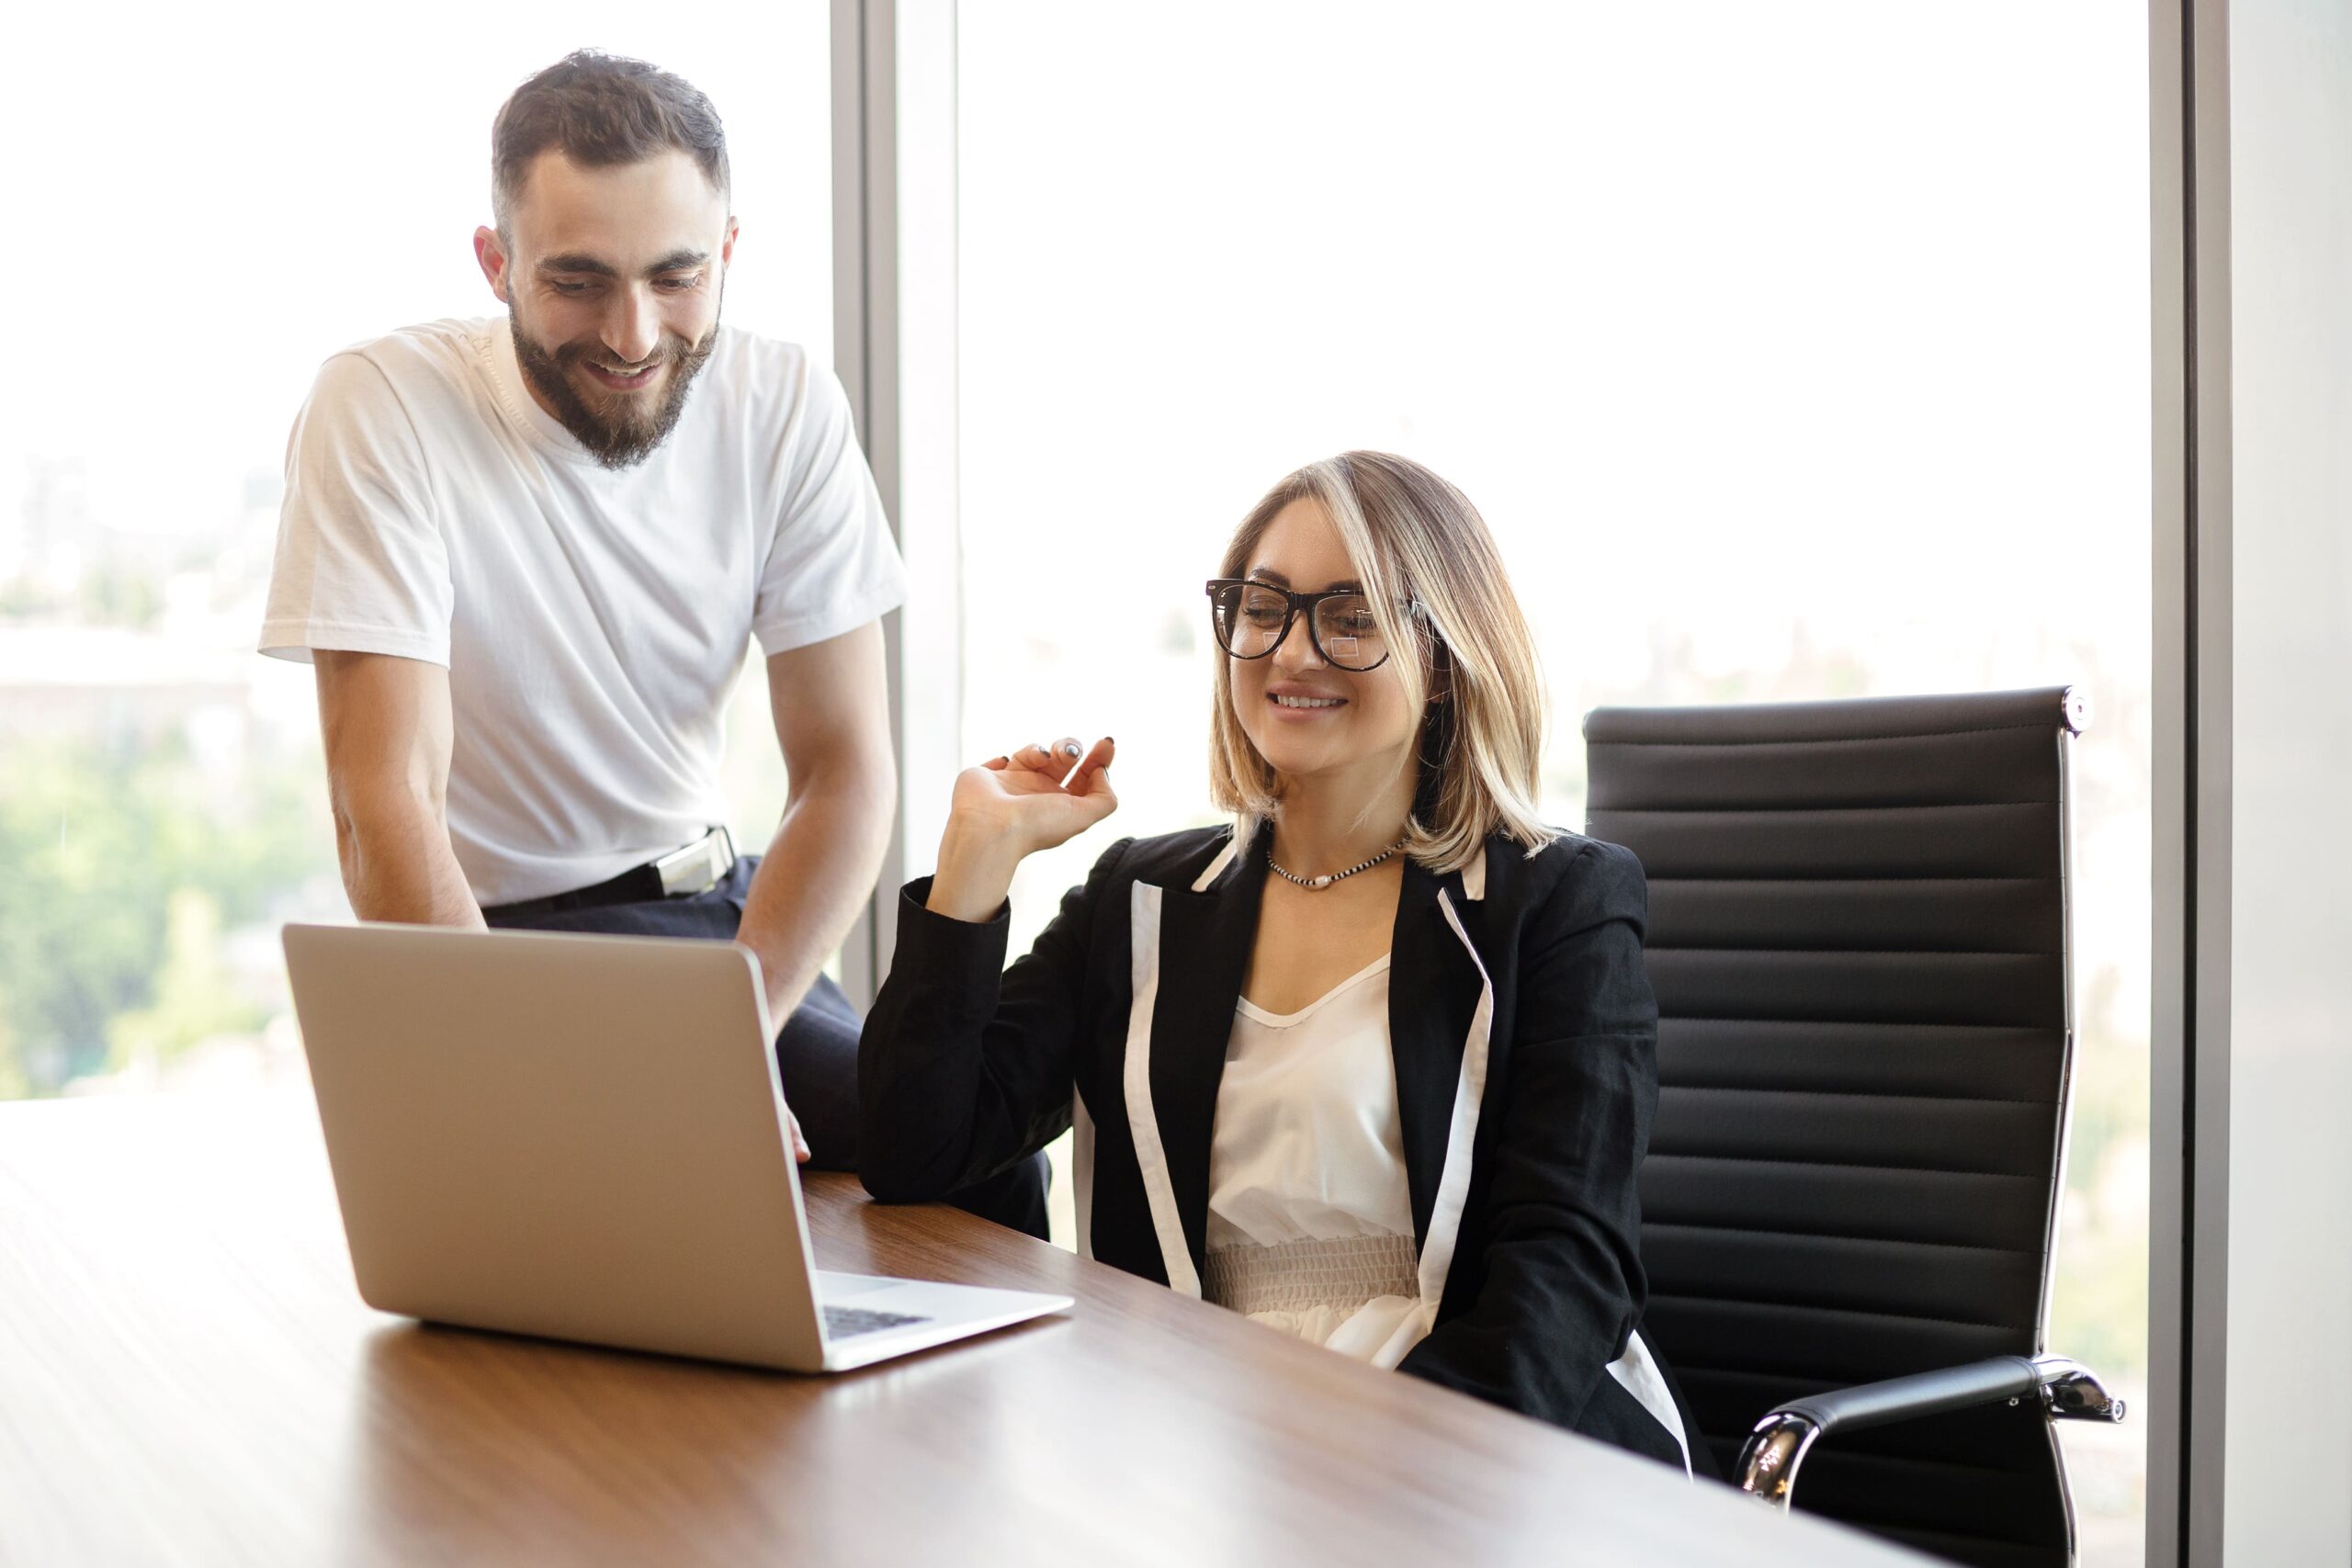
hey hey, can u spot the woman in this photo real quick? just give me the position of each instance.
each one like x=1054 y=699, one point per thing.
x=1377 y=1064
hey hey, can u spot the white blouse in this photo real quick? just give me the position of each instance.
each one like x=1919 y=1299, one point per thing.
x=1310 y=1215
x=1310 y=1221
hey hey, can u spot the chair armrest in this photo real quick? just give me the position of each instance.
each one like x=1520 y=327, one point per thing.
x=1768 y=1464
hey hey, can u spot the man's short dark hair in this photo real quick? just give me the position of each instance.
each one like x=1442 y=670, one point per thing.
x=600 y=110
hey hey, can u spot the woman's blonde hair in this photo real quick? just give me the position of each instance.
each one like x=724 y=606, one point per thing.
x=1463 y=651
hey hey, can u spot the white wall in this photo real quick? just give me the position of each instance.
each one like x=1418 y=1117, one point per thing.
x=2289 y=1437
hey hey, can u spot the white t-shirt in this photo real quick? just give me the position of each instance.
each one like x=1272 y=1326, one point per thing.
x=592 y=621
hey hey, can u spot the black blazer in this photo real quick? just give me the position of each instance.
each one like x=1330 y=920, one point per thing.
x=1519 y=1010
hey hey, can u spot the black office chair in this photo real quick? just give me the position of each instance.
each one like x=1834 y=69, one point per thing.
x=1857 y=936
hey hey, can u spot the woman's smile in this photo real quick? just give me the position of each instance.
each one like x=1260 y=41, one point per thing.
x=1296 y=701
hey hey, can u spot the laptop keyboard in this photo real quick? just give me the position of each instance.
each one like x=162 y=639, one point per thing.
x=842 y=1322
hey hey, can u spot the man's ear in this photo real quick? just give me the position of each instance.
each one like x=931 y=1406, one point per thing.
x=490 y=251
x=727 y=245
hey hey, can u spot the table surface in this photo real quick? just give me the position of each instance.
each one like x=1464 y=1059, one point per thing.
x=188 y=1375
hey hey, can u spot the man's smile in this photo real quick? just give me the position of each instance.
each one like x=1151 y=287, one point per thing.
x=621 y=380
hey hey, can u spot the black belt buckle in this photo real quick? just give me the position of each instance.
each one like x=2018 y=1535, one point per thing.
x=697 y=868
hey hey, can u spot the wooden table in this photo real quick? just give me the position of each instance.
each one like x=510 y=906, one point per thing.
x=188 y=1375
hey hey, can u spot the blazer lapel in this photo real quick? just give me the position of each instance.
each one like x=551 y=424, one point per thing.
x=1206 y=936
x=1433 y=993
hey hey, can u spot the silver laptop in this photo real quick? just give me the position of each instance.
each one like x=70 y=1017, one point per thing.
x=582 y=1137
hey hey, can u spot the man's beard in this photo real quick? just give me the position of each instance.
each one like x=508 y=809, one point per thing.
x=625 y=438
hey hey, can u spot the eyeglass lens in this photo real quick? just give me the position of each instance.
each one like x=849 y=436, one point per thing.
x=1249 y=620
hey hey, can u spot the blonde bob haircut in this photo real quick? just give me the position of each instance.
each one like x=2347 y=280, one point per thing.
x=1466 y=658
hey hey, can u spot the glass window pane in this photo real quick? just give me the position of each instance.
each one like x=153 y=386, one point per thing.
x=207 y=217
x=1791 y=352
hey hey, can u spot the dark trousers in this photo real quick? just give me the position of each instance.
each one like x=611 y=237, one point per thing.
x=816 y=1051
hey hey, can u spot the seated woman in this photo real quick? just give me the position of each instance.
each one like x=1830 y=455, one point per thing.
x=1377 y=1064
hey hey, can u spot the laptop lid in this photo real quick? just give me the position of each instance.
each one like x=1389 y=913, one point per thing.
x=575 y=1136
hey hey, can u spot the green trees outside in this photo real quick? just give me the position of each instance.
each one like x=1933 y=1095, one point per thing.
x=122 y=866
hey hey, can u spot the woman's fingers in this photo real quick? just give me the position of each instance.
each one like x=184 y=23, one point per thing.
x=1098 y=757
x=1056 y=758
x=1039 y=794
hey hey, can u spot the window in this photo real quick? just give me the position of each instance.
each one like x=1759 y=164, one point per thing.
x=211 y=215
x=1814 y=338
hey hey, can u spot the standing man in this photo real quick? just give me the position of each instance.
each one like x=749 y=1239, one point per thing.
x=526 y=555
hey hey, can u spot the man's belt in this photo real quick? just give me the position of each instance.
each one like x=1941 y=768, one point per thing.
x=697 y=868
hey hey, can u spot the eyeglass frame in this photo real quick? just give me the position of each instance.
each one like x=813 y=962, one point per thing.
x=1298 y=603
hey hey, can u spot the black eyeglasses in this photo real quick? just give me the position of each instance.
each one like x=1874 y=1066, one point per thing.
x=1251 y=618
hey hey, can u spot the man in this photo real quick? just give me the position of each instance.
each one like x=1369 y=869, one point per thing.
x=527 y=556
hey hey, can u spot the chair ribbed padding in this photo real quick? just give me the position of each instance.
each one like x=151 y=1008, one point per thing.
x=1857 y=938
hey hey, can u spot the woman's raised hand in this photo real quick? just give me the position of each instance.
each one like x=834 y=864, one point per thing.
x=1013 y=805
x=1040 y=796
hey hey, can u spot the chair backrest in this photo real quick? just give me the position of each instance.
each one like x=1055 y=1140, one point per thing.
x=1858 y=937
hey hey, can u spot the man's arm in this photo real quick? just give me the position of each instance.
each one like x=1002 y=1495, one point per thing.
x=387 y=725
x=830 y=701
